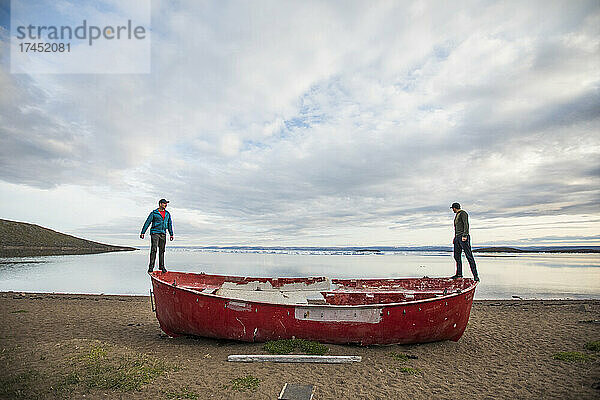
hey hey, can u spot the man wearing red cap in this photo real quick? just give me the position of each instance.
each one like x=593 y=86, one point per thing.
x=161 y=221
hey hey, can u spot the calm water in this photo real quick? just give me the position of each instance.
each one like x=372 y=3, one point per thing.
x=541 y=276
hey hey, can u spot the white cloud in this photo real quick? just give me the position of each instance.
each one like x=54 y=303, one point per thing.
x=328 y=123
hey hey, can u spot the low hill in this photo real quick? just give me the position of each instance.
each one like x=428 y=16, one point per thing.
x=20 y=239
x=498 y=250
x=585 y=249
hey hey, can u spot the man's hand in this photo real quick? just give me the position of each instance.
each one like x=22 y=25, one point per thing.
x=141 y=235
x=171 y=238
x=464 y=238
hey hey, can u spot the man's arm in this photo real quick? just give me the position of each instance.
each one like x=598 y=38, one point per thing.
x=170 y=226
x=146 y=225
x=465 y=218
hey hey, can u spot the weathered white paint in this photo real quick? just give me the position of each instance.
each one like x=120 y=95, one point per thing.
x=328 y=314
x=273 y=296
x=239 y=306
x=322 y=285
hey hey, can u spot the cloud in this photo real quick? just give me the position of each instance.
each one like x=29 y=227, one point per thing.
x=329 y=122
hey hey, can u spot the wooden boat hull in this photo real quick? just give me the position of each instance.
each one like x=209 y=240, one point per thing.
x=182 y=308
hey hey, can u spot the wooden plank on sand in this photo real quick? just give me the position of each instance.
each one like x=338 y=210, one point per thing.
x=293 y=358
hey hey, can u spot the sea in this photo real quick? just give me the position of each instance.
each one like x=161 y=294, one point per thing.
x=503 y=275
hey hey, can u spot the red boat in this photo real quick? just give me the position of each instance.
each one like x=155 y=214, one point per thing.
x=362 y=311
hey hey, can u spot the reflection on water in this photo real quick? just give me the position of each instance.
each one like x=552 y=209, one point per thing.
x=544 y=276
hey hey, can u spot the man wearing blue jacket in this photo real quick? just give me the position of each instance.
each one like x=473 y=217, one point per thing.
x=161 y=221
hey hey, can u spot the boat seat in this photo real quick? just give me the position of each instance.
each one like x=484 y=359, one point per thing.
x=273 y=296
x=321 y=285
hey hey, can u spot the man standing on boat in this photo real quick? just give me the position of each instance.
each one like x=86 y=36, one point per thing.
x=161 y=221
x=462 y=241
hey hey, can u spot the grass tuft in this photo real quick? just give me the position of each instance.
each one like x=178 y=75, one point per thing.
x=183 y=394
x=248 y=382
x=593 y=346
x=410 y=370
x=127 y=374
x=19 y=386
x=65 y=384
x=92 y=366
x=401 y=357
x=19 y=311
x=96 y=354
x=571 y=356
x=286 y=346
x=71 y=379
x=120 y=372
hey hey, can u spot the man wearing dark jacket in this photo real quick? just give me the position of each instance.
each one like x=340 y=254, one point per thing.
x=462 y=241
x=161 y=221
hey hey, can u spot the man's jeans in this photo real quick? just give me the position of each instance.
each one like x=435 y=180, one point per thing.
x=459 y=246
x=158 y=240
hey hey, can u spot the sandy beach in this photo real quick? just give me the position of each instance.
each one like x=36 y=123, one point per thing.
x=71 y=346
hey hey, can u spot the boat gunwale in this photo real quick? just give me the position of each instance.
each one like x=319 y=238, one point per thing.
x=353 y=306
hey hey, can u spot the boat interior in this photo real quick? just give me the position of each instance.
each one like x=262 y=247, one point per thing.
x=316 y=290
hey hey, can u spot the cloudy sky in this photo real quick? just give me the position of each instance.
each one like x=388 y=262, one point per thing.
x=320 y=123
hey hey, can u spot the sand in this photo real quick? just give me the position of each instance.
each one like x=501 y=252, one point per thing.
x=506 y=353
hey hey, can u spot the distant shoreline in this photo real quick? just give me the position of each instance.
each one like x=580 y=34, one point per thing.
x=516 y=250
x=41 y=251
x=355 y=250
